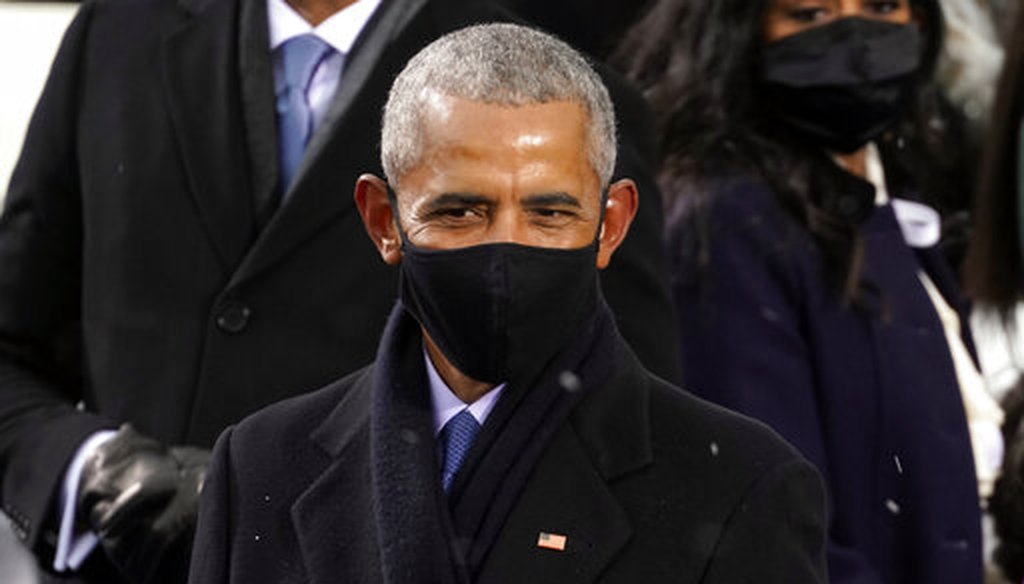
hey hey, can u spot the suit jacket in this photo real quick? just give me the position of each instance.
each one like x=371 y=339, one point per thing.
x=141 y=279
x=868 y=393
x=646 y=482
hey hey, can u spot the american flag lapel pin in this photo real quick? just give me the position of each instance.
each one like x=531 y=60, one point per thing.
x=551 y=541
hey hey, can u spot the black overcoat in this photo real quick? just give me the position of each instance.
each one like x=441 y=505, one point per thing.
x=646 y=483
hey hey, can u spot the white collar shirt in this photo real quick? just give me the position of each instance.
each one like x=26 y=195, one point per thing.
x=447 y=405
x=340 y=31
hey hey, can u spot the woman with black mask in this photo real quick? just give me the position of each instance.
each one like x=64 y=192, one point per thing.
x=803 y=154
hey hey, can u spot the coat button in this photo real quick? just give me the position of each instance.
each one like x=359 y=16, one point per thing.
x=233 y=318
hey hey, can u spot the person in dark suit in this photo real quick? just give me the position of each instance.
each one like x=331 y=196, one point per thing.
x=506 y=432
x=807 y=269
x=170 y=254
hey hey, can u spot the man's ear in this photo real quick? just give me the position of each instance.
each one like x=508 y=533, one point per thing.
x=371 y=197
x=619 y=210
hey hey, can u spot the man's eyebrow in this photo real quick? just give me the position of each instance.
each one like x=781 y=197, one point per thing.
x=551 y=199
x=445 y=200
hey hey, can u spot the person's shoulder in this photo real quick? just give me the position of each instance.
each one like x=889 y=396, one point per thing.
x=730 y=446
x=291 y=421
x=728 y=201
x=132 y=27
x=736 y=216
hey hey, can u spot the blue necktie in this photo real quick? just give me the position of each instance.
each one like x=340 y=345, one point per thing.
x=300 y=56
x=457 y=437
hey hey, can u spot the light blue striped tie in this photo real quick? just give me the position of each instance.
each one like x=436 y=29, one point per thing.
x=457 y=436
x=300 y=56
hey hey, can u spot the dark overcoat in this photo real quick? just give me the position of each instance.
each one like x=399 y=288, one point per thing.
x=867 y=391
x=645 y=482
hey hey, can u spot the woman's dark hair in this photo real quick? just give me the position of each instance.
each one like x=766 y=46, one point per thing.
x=995 y=269
x=698 y=61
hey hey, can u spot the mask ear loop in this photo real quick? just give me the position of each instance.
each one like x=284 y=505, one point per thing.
x=600 y=219
x=393 y=200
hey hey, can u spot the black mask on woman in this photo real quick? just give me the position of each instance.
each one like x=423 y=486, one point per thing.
x=844 y=83
x=498 y=310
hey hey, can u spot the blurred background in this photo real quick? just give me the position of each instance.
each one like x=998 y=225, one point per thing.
x=29 y=35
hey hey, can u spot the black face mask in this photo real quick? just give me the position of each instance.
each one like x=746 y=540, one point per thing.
x=842 y=84
x=498 y=310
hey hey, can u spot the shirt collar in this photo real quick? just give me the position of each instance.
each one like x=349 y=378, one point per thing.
x=446 y=404
x=340 y=30
x=920 y=224
x=876 y=174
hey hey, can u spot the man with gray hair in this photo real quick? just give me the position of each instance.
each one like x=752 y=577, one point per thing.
x=506 y=432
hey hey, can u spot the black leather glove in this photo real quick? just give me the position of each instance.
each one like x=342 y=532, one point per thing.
x=140 y=497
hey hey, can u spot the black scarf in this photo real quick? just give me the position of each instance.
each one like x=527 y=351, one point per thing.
x=424 y=535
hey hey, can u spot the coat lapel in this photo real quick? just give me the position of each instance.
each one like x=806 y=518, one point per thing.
x=892 y=266
x=566 y=498
x=323 y=184
x=942 y=274
x=334 y=517
x=568 y=494
x=257 y=79
x=200 y=75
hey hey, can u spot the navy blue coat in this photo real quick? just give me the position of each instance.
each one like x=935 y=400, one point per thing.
x=869 y=396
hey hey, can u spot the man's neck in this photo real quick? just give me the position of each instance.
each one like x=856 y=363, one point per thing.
x=317 y=11
x=467 y=389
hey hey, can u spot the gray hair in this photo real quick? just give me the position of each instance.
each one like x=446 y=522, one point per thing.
x=502 y=64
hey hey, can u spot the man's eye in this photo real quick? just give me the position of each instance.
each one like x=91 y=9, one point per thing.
x=549 y=216
x=455 y=213
x=548 y=212
x=459 y=212
x=808 y=14
x=884 y=6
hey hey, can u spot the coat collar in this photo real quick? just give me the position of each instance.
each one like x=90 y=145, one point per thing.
x=568 y=494
x=894 y=266
x=614 y=423
x=334 y=522
x=256 y=77
x=200 y=64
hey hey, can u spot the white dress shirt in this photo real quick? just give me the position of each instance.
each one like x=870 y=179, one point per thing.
x=447 y=405
x=340 y=31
